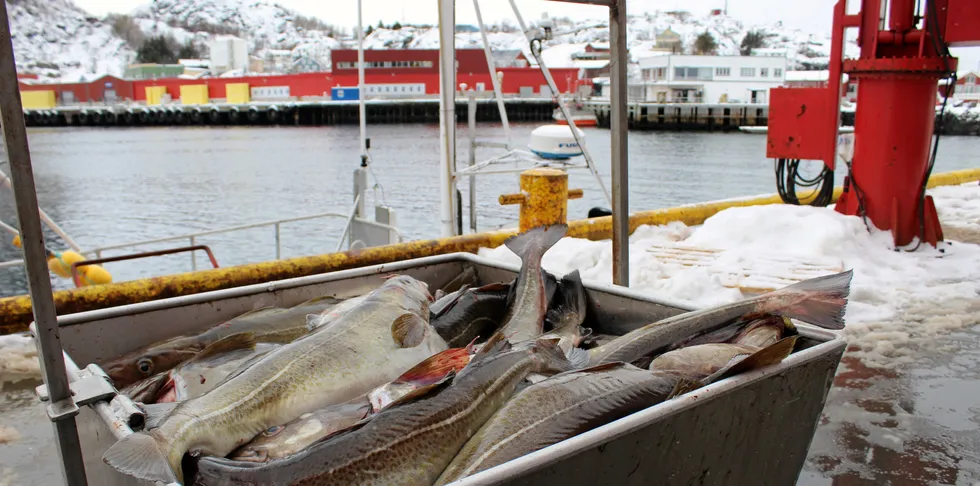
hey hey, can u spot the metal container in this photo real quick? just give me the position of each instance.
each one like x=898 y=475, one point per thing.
x=754 y=428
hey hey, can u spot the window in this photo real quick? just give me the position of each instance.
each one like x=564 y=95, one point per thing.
x=692 y=73
x=764 y=72
x=661 y=73
x=723 y=72
x=680 y=73
x=777 y=72
x=747 y=72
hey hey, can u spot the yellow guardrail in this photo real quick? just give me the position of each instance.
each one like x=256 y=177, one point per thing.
x=15 y=312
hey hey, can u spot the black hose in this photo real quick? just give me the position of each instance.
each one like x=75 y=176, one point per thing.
x=788 y=178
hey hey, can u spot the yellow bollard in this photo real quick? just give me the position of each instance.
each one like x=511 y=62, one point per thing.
x=544 y=197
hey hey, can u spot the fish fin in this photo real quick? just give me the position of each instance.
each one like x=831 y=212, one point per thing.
x=156 y=412
x=450 y=304
x=554 y=360
x=423 y=390
x=820 y=301
x=497 y=343
x=576 y=297
x=493 y=287
x=141 y=456
x=241 y=340
x=435 y=367
x=533 y=243
x=241 y=368
x=578 y=357
x=683 y=386
x=602 y=367
x=408 y=330
x=772 y=354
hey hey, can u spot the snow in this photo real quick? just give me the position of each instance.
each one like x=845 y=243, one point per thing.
x=900 y=301
x=18 y=358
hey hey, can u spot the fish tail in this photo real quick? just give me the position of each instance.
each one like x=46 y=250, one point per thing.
x=819 y=301
x=145 y=456
x=533 y=243
x=574 y=293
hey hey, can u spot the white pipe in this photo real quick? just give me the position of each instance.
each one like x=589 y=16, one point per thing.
x=493 y=75
x=447 y=114
x=362 y=112
x=46 y=219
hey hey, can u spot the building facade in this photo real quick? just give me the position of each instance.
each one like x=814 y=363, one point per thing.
x=967 y=88
x=672 y=78
x=228 y=53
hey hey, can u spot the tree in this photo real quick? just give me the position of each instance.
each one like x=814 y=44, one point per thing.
x=188 y=51
x=705 y=44
x=368 y=31
x=157 y=50
x=381 y=24
x=754 y=39
x=396 y=26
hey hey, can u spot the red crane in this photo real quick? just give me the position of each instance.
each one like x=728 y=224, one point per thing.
x=904 y=53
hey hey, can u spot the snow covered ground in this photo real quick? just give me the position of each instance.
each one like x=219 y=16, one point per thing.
x=900 y=301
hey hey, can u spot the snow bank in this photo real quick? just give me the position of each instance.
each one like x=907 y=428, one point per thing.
x=900 y=301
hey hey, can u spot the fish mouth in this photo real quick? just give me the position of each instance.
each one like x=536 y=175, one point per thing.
x=251 y=455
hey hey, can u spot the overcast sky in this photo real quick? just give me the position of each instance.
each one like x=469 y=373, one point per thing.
x=811 y=15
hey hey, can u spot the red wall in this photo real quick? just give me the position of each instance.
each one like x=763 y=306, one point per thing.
x=85 y=92
x=467 y=60
x=305 y=84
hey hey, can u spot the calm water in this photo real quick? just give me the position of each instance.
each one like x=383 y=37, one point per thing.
x=112 y=186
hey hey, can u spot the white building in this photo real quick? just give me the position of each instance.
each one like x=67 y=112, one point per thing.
x=673 y=78
x=227 y=53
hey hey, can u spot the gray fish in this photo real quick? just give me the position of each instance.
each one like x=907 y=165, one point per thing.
x=763 y=332
x=369 y=346
x=820 y=301
x=527 y=309
x=269 y=324
x=471 y=313
x=566 y=317
x=196 y=376
x=282 y=441
x=406 y=444
x=572 y=403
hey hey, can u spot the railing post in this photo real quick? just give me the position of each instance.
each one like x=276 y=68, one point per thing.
x=278 y=246
x=471 y=118
x=360 y=189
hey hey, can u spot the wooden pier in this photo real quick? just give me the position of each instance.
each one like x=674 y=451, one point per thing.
x=283 y=113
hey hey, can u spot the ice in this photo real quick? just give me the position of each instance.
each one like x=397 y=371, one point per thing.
x=900 y=302
x=18 y=358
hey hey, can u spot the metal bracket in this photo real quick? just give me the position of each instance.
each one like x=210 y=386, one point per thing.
x=92 y=385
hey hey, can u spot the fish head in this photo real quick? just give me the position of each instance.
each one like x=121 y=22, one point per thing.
x=548 y=357
x=146 y=390
x=142 y=364
x=259 y=448
x=414 y=288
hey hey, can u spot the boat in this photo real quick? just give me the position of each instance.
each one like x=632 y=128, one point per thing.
x=581 y=116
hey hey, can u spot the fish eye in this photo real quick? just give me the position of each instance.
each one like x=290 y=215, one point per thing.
x=145 y=366
x=273 y=431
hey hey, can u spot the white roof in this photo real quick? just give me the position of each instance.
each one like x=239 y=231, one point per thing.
x=590 y=63
x=807 y=75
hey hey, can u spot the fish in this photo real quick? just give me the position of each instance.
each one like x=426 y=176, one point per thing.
x=820 y=301
x=571 y=403
x=194 y=377
x=270 y=324
x=527 y=307
x=467 y=278
x=443 y=299
x=409 y=443
x=472 y=313
x=433 y=370
x=327 y=316
x=146 y=391
x=566 y=315
x=765 y=331
x=281 y=441
x=700 y=360
x=369 y=346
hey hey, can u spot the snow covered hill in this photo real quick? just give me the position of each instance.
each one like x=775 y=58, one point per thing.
x=55 y=38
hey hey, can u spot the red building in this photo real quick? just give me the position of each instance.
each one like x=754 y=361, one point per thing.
x=384 y=70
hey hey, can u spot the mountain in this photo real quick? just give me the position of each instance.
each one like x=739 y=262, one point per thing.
x=55 y=38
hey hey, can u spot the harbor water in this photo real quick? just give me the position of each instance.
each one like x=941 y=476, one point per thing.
x=111 y=186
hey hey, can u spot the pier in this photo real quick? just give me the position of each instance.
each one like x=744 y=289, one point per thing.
x=282 y=113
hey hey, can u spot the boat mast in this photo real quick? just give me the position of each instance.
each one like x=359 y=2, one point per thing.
x=360 y=85
x=447 y=114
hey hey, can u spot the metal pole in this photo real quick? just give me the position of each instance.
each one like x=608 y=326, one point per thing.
x=471 y=119
x=278 y=244
x=360 y=84
x=497 y=92
x=447 y=113
x=48 y=338
x=193 y=256
x=619 y=134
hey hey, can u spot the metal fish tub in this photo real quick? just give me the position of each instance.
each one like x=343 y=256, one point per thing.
x=754 y=428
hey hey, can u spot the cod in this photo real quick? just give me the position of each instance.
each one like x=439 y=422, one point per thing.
x=370 y=345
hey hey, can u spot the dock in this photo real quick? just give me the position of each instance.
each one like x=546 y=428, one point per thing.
x=284 y=112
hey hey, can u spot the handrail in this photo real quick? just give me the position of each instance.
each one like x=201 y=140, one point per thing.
x=74 y=266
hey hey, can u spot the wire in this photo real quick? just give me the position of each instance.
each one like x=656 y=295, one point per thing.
x=788 y=178
x=942 y=50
